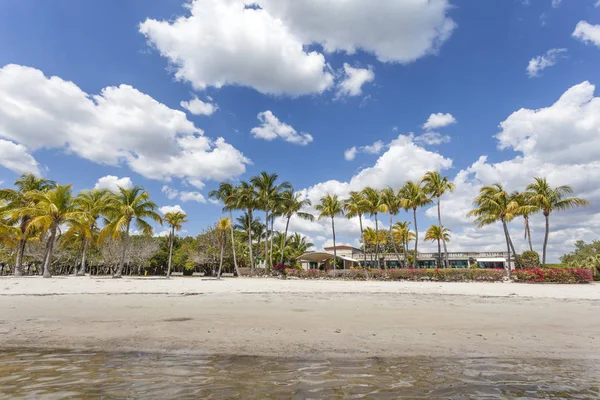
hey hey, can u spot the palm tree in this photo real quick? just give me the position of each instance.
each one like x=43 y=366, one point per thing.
x=393 y=204
x=223 y=226
x=438 y=233
x=229 y=195
x=247 y=200
x=16 y=200
x=266 y=193
x=47 y=211
x=291 y=204
x=331 y=207
x=548 y=199
x=402 y=233
x=414 y=196
x=526 y=208
x=374 y=204
x=495 y=204
x=129 y=205
x=354 y=206
x=175 y=220
x=436 y=185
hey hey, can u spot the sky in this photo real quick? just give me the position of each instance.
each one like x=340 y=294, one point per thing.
x=177 y=96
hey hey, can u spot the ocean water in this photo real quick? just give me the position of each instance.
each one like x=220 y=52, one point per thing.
x=57 y=374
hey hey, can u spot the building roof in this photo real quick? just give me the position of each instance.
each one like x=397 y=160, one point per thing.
x=342 y=247
x=319 y=256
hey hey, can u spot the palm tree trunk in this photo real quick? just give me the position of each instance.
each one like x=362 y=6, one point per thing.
x=20 y=253
x=49 y=248
x=528 y=232
x=250 y=240
x=362 y=237
x=377 y=242
x=266 y=237
x=415 y=258
x=512 y=246
x=506 y=235
x=545 y=239
x=271 y=241
x=223 y=240
x=171 y=240
x=439 y=253
x=123 y=252
x=394 y=240
x=86 y=244
x=334 y=249
x=287 y=224
x=446 y=261
x=235 y=264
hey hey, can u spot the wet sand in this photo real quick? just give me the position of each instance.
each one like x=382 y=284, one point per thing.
x=271 y=317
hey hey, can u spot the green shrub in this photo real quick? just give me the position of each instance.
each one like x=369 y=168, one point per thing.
x=554 y=275
x=530 y=259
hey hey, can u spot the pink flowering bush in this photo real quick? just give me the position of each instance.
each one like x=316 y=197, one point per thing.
x=553 y=275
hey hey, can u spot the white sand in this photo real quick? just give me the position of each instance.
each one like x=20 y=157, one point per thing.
x=302 y=318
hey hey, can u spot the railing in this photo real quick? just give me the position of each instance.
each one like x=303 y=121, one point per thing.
x=433 y=256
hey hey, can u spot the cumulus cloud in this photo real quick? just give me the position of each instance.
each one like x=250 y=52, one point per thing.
x=171 y=209
x=113 y=183
x=119 y=126
x=439 y=120
x=17 y=158
x=272 y=128
x=354 y=79
x=587 y=33
x=374 y=148
x=198 y=107
x=184 y=196
x=548 y=59
x=226 y=43
x=432 y=138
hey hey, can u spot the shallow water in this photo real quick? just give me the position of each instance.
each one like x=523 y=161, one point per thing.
x=76 y=374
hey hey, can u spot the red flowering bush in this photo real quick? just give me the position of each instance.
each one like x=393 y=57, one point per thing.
x=553 y=275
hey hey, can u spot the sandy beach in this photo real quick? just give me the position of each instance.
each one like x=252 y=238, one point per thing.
x=298 y=318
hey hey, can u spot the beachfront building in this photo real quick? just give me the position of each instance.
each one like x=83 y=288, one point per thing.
x=352 y=257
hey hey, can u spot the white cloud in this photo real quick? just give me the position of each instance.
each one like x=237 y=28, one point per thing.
x=16 y=158
x=539 y=63
x=226 y=43
x=392 y=30
x=171 y=209
x=112 y=183
x=119 y=126
x=597 y=4
x=432 y=138
x=439 y=120
x=354 y=79
x=272 y=128
x=556 y=3
x=374 y=148
x=183 y=195
x=587 y=32
x=199 y=107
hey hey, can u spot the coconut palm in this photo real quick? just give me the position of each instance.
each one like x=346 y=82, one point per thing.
x=436 y=233
x=354 y=206
x=292 y=204
x=47 y=212
x=267 y=192
x=175 y=220
x=331 y=207
x=436 y=185
x=223 y=226
x=15 y=199
x=393 y=204
x=413 y=196
x=374 y=205
x=526 y=208
x=548 y=199
x=228 y=194
x=494 y=204
x=247 y=200
x=404 y=235
x=127 y=207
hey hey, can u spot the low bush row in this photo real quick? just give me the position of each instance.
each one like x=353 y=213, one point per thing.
x=553 y=275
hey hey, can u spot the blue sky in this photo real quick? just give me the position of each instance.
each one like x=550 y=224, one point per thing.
x=412 y=59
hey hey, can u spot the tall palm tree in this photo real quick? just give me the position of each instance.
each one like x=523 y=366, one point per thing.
x=223 y=226
x=47 y=211
x=402 y=233
x=526 y=208
x=229 y=195
x=16 y=200
x=175 y=220
x=495 y=204
x=414 y=196
x=354 y=206
x=436 y=185
x=92 y=204
x=267 y=192
x=374 y=204
x=438 y=233
x=331 y=207
x=393 y=203
x=247 y=200
x=548 y=199
x=292 y=204
x=129 y=206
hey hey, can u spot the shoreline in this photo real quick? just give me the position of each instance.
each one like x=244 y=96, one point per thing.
x=302 y=319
